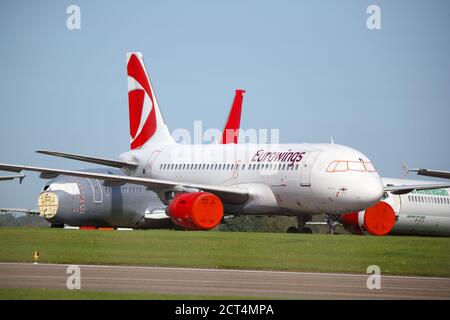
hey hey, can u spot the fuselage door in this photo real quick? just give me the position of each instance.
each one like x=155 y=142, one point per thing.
x=151 y=161
x=97 y=191
x=306 y=166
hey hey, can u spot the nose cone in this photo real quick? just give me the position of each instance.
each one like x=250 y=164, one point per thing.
x=368 y=191
x=357 y=191
x=48 y=203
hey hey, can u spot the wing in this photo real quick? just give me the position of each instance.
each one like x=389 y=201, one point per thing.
x=403 y=189
x=228 y=194
x=102 y=161
x=22 y=210
x=432 y=173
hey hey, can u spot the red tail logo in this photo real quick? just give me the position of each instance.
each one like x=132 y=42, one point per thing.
x=231 y=130
x=141 y=105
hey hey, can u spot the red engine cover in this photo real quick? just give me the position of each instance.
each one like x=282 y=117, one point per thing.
x=377 y=220
x=196 y=211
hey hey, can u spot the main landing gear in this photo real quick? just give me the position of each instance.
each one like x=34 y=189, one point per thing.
x=302 y=220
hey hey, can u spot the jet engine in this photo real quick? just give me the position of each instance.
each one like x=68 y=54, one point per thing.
x=377 y=220
x=196 y=210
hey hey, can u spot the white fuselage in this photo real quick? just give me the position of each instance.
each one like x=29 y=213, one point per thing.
x=424 y=212
x=291 y=179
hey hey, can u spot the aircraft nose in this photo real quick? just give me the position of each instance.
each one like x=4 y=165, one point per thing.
x=48 y=203
x=369 y=191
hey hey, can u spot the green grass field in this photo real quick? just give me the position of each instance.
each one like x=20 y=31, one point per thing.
x=50 y=294
x=268 y=251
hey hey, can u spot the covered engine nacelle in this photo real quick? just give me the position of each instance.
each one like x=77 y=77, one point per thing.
x=377 y=220
x=196 y=210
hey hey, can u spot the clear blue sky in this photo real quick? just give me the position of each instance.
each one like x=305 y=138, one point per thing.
x=310 y=68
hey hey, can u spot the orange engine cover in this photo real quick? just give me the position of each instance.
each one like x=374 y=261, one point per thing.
x=377 y=220
x=196 y=210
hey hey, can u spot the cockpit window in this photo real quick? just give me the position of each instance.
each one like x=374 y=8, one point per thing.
x=71 y=188
x=369 y=167
x=344 y=165
x=356 y=166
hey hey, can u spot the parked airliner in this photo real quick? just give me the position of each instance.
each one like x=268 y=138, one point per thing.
x=91 y=203
x=199 y=183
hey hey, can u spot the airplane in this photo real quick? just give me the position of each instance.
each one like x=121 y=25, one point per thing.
x=201 y=183
x=92 y=203
x=418 y=212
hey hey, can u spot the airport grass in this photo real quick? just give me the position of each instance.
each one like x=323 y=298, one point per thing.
x=427 y=256
x=53 y=294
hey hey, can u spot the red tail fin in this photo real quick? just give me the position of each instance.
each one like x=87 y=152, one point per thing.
x=231 y=130
x=146 y=122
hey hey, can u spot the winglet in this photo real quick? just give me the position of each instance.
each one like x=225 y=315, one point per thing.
x=405 y=169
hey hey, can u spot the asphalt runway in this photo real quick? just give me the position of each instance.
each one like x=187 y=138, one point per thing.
x=262 y=284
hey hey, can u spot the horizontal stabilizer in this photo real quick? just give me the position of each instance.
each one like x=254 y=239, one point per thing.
x=19 y=210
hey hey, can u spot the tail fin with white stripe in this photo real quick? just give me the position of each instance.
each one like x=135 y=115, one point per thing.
x=146 y=121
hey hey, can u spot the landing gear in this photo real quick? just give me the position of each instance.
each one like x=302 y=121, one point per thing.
x=302 y=220
x=332 y=222
x=295 y=230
